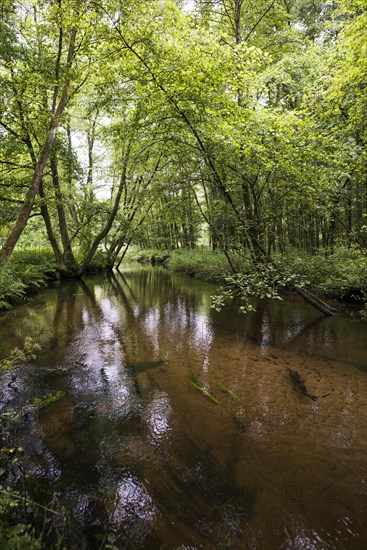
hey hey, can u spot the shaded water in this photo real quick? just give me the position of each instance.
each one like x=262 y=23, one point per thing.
x=135 y=450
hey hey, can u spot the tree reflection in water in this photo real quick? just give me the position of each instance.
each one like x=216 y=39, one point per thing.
x=134 y=450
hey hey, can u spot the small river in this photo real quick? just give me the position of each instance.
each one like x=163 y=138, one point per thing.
x=135 y=449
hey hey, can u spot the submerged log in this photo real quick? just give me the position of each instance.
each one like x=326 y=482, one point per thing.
x=315 y=301
x=299 y=384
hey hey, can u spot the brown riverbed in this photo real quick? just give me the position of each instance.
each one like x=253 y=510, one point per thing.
x=136 y=451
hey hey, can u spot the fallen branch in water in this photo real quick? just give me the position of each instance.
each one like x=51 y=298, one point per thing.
x=231 y=394
x=315 y=301
x=299 y=385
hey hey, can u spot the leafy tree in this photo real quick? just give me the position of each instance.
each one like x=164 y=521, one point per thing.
x=139 y=122
x=40 y=74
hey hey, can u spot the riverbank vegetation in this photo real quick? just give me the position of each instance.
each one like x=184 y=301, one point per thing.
x=17 y=528
x=32 y=269
x=175 y=125
x=339 y=275
x=27 y=271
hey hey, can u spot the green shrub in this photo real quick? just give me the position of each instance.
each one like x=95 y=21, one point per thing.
x=18 y=537
x=202 y=263
x=99 y=262
x=342 y=272
x=26 y=271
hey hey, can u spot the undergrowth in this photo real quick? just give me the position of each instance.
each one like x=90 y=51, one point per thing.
x=17 y=511
x=26 y=271
x=340 y=274
x=202 y=263
x=33 y=269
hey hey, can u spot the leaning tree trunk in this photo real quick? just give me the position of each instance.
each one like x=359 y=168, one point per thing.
x=26 y=209
x=28 y=203
x=256 y=248
x=315 y=301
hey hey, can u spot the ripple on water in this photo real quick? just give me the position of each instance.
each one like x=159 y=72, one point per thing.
x=133 y=510
x=134 y=448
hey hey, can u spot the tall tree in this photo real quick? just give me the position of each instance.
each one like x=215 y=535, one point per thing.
x=38 y=83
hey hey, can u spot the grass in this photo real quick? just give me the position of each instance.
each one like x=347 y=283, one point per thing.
x=204 y=392
x=201 y=263
x=340 y=274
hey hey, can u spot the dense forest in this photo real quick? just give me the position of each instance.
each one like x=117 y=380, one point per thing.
x=225 y=123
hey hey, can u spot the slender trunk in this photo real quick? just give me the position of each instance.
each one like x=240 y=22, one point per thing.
x=71 y=206
x=26 y=209
x=123 y=254
x=50 y=234
x=110 y=220
x=231 y=264
x=68 y=253
x=91 y=134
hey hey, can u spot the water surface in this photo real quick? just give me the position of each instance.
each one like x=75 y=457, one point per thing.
x=135 y=450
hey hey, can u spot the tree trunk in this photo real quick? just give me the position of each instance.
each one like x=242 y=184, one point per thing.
x=90 y=140
x=50 y=234
x=110 y=221
x=26 y=209
x=315 y=301
x=123 y=254
x=68 y=253
x=71 y=206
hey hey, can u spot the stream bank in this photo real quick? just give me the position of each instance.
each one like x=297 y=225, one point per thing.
x=339 y=277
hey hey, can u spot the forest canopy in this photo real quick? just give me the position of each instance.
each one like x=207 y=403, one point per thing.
x=171 y=124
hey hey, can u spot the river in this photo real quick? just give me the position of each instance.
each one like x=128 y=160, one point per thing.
x=183 y=428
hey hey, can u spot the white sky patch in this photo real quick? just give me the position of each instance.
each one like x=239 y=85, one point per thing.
x=102 y=176
x=188 y=6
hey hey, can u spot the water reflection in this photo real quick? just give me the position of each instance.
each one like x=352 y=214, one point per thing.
x=151 y=325
x=134 y=449
x=157 y=415
x=133 y=508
